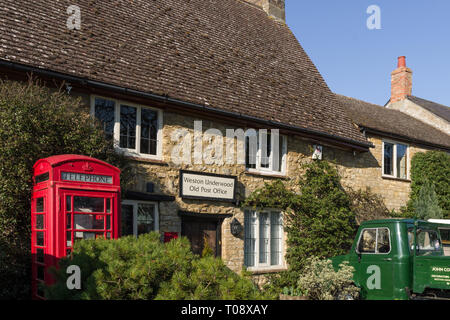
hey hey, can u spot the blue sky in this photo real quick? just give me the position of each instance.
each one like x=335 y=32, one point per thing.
x=357 y=62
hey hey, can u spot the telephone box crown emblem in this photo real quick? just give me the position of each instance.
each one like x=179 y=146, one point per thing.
x=87 y=167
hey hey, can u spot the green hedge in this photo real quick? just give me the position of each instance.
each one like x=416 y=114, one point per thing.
x=432 y=166
x=145 y=268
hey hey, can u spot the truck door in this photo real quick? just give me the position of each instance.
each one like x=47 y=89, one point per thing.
x=375 y=266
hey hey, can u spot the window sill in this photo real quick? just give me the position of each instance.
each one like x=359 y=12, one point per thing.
x=147 y=160
x=266 y=174
x=396 y=179
x=266 y=270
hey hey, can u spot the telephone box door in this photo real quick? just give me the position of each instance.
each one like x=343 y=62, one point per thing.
x=87 y=215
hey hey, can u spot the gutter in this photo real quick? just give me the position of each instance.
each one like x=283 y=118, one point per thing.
x=405 y=138
x=363 y=146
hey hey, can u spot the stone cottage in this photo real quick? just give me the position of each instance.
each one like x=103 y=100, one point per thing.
x=174 y=80
x=405 y=126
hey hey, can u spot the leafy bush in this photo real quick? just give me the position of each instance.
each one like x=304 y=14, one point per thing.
x=426 y=205
x=208 y=279
x=146 y=268
x=272 y=195
x=321 y=223
x=294 y=292
x=367 y=205
x=432 y=166
x=322 y=282
x=35 y=122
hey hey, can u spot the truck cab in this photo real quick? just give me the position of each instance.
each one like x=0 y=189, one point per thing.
x=399 y=259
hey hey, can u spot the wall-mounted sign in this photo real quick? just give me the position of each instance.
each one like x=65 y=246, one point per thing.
x=317 y=154
x=83 y=177
x=198 y=185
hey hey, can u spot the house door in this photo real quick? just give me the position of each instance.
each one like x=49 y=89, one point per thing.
x=201 y=233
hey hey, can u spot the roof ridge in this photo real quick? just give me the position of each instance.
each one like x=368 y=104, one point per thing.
x=413 y=96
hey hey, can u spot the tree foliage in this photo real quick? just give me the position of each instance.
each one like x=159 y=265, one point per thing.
x=367 y=205
x=319 y=221
x=36 y=122
x=432 y=166
x=426 y=205
x=145 y=268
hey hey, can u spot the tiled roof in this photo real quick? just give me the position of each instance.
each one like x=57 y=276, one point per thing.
x=436 y=108
x=393 y=122
x=225 y=54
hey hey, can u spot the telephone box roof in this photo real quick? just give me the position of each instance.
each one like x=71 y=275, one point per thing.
x=63 y=158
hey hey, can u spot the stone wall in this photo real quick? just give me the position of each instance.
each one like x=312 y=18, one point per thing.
x=365 y=172
x=358 y=171
x=422 y=114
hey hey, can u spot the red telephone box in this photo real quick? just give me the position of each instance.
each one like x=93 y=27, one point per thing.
x=74 y=197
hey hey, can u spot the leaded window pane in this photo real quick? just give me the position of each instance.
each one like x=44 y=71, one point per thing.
x=251 y=149
x=149 y=131
x=104 y=111
x=263 y=237
x=402 y=161
x=128 y=121
x=388 y=159
x=127 y=219
x=275 y=238
x=145 y=218
x=250 y=238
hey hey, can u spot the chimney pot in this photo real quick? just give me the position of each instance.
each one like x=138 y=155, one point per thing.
x=401 y=62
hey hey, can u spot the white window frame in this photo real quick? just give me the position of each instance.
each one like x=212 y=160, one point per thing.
x=135 y=204
x=394 y=156
x=116 y=133
x=266 y=266
x=269 y=171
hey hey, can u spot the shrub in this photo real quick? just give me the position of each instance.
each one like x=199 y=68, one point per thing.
x=367 y=205
x=35 y=122
x=294 y=292
x=322 y=282
x=426 y=205
x=321 y=223
x=208 y=279
x=146 y=268
x=433 y=166
x=127 y=268
x=272 y=195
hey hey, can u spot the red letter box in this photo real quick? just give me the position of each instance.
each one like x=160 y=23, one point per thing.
x=74 y=197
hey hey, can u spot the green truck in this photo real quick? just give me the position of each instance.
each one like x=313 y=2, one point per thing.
x=400 y=259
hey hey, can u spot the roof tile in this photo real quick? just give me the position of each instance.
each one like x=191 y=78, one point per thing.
x=222 y=53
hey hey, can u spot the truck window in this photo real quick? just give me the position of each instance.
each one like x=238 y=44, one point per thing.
x=411 y=239
x=427 y=241
x=374 y=240
x=445 y=238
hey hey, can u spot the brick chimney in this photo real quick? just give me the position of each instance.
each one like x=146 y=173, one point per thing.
x=274 y=8
x=401 y=81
